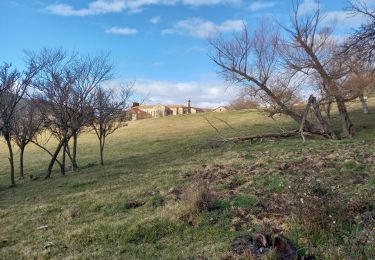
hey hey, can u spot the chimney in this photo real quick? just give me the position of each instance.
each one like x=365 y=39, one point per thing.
x=189 y=106
x=135 y=104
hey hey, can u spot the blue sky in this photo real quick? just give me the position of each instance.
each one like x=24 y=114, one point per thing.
x=162 y=44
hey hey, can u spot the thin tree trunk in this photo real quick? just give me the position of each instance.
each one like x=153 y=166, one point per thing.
x=101 y=142
x=69 y=154
x=324 y=126
x=63 y=159
x=74 y=157
x=22 y=150
x=328 y=109
x=54 y=157
x=347 y=124
x=363 y=104
x=11 y=159
x=45 y=149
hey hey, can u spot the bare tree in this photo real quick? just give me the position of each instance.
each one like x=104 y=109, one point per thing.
x=109 y=113
x=65 y=88
x=13 y=86
x=27 y=123
x=359 y=82
x=54 y=87
x=311 y=50
x=90 y=72
x=362 y=41
x=252 y=62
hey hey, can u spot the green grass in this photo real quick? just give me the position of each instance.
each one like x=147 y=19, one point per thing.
x=91 y=213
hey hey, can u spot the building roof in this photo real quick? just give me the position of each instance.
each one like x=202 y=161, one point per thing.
x=152 y=106
x=139 y=112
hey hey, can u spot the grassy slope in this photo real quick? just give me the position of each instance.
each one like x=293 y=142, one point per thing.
x=87 y=212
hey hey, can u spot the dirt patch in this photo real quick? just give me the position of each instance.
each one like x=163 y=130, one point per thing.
x=264 y=245
x=134 y=204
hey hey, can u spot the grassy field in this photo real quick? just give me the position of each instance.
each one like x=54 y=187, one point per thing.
x=142 y=203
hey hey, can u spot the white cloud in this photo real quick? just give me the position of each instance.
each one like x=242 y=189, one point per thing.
x=343 y=19
x=259 y=5
x=121 y=30
x=98 y=7
x=308 y=6
x=210 y=2
x=155 y=20
x=94 y=8
x=202 y=94
x=200 y=28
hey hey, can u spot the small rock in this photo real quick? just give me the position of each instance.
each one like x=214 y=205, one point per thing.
x=284 y=166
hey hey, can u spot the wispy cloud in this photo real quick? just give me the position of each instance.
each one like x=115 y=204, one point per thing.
x=308 y=6
x=155 y=20
x=98 y=7
x=121 y=30
x=343 y=19
x=94 y=8
x=260 y=5
x=200 y=28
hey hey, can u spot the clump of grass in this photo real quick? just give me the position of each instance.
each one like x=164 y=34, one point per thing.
x=200 y=196
x=244 y=201
x=157 y=200
x=152 y=231
x=71 y=213
x=221 y=204
x=269 y=183
x=80 y=184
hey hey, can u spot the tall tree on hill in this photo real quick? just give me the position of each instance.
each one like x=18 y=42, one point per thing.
x=90 y=72
x=54 y=87
x=312 y=51
x=252 y=62
x=13 y=86
x=109 y=113
x=65 y=88
x=28 y=122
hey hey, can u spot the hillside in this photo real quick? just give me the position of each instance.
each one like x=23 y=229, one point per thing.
x=141 y=204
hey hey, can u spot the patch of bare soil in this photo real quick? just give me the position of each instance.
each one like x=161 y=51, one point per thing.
x=322 y=189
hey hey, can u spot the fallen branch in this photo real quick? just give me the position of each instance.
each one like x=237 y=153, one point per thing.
x=271 y=135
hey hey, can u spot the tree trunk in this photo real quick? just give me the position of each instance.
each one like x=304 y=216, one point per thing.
x=102 y=142
x=324 y=126
x=328 y=109
x=363 y=104
x=22 y=150
x=11 y=159
x=63 y=160
x=74 y=156
x=345 y=120
x=54 y=157
x=101 y=154
x=45 y=149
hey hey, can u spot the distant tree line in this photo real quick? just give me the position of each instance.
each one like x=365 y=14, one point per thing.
x=60 y=94
x=277 y=62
